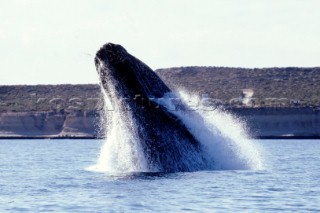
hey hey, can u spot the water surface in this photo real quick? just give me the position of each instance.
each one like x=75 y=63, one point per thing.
x=51 y=176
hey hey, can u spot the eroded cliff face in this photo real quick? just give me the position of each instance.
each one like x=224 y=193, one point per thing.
x=261 y=122
x=281 y=122
x=49 y=124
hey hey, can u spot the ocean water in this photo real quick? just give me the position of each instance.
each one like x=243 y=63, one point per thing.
x=52 y=176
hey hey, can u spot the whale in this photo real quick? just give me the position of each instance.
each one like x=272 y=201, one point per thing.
x=166 y=142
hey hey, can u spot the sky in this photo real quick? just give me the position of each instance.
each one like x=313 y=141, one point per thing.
x=54 y=41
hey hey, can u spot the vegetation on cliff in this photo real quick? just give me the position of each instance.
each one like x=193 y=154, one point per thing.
x=272 y=87
x=57 y=98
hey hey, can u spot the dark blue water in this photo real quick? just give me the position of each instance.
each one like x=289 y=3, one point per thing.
x=50 y=176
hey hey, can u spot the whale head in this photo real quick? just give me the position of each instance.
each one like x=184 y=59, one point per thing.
x=125 y=77
x=111 y=53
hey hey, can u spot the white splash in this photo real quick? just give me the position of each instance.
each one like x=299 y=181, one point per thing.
x=223 y=137
x=121 y=151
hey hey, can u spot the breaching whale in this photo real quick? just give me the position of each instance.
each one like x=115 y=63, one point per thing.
x=166 y=143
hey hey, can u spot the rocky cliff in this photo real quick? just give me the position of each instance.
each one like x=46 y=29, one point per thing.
x=49 y=125
x=261 y=123
x=284 y=102
x=281 y=122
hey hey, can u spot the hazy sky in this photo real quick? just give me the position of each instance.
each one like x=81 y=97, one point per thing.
x=54 y=41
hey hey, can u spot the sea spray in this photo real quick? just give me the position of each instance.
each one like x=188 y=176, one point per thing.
x=223 y=136
x=121 y=150
x=225 y=142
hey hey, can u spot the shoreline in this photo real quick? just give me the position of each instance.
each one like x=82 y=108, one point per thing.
x=45 y=137
x=98 y=138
